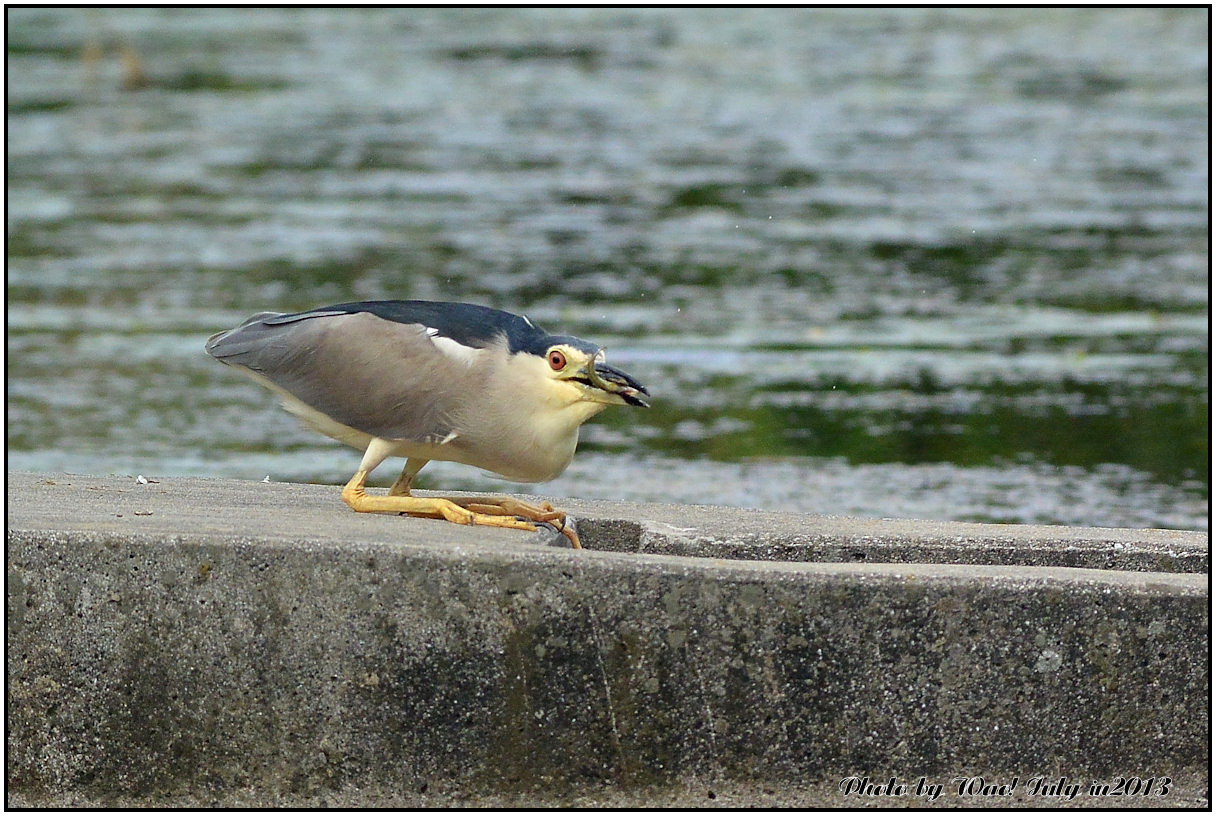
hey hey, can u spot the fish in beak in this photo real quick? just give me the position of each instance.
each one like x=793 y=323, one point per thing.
x=615 y=381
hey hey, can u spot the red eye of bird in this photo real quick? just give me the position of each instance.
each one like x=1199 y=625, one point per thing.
x=557 y=360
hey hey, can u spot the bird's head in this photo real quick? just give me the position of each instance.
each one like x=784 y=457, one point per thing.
x=579 y=371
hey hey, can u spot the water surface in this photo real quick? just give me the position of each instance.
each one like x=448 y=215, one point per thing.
x=892 y=263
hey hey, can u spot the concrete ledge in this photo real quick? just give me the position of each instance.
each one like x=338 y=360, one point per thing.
x=197 y=642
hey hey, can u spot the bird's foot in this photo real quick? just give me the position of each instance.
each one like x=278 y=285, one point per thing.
x=543 y=513
x=490 y=512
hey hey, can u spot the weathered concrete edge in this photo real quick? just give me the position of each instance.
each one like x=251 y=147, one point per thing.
x=547 y=581
x=718 y=532
x=517 y=577
x=315 y=511
x=544 y=557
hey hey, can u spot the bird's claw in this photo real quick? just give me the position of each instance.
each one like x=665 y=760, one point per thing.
x=568 y=531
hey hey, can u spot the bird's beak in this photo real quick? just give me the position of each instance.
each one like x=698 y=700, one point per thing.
x=618 y=383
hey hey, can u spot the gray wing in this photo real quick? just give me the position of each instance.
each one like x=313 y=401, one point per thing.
x=384 y=378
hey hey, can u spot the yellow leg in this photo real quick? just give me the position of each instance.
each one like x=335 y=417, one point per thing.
x=488 y=512
x=401 y=487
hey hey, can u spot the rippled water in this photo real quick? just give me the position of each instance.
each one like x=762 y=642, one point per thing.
x=941 y=264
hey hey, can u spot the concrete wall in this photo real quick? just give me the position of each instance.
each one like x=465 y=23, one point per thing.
x=217 y=642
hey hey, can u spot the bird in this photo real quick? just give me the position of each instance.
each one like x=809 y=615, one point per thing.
x=431 y=380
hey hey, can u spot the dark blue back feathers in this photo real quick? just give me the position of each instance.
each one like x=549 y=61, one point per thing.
x=466 y=323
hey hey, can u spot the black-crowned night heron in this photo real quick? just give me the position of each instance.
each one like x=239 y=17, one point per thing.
x=425 y=380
